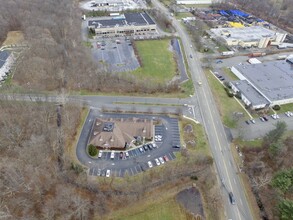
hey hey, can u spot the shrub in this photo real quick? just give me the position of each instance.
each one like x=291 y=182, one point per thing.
x=92 y=150
x=276 y=107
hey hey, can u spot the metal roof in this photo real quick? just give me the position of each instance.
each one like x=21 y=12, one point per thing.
x=250 y=92
x=273 y=79
x=4 y=55
x=128 y=19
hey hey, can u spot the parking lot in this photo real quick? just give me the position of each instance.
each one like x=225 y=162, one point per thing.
x=117 y=55
x=158 y=152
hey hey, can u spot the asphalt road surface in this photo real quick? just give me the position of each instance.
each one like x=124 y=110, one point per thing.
x=226 y=168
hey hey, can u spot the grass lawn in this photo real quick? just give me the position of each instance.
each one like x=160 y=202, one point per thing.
x=169 y=210
x=188 y=87
x=198 y=135
x=226 y=105
x=285 y=108
x=181 y=15
x=230 y=74
x=157 y=60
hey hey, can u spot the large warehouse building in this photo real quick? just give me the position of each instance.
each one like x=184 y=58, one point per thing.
x=256 y=36
x=127 y=24
x=264 y=84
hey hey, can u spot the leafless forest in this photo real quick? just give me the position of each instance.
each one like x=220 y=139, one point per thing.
x=39 y=181
x=56 y=57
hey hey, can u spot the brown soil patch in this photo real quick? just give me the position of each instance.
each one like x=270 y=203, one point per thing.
x=13 y=37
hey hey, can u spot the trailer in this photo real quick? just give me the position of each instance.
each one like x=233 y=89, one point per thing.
x=227 y=53
x=257 y=54
x=282 y=57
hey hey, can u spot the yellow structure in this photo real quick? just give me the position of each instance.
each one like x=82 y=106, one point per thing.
x=236 y=24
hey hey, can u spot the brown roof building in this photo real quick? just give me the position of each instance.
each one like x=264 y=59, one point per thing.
x=115 y=133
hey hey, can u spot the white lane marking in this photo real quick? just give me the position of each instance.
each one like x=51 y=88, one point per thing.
x=219 y=145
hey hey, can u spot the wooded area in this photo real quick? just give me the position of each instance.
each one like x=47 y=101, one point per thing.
x=269 y=169
x=56 y=57
x=39 y=181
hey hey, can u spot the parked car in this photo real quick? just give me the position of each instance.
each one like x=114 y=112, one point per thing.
x=252 y=121
x=157 y=162
x=265 y=118
x=141 y=150
x=262 y=119
x=161 y=160
x=247 y=122
x=150 y=164
x=126 y=154
x=166 y=158
x=231 y=198
x=150 y=146
x=145 y=147
x=121 y=155
x=219 y=61
x=100 y=154
x=190 y=55
x=108 y=172
x=176 y=146
x=112 y=155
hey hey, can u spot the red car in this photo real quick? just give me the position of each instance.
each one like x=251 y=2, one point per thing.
x=166 y=158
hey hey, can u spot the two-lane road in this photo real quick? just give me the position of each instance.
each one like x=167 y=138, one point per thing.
x=227 y=171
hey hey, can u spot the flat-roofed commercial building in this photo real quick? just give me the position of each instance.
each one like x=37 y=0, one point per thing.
x=256 y=36
x=193 y=2
x=127 y=24
x=271 y=80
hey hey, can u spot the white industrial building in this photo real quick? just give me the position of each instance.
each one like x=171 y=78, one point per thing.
x=6 y=60
x=112 y=5
x=264 y=84
x=193 y=2
x=255 y=36
x=127 y=24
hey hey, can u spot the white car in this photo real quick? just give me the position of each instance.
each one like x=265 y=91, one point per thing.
x=112 y=155
x=150 y=164
x=100 y=154
x=161 y=160
x=157 y=162
x=126 y=154
x=199 y=83
x=108 y=172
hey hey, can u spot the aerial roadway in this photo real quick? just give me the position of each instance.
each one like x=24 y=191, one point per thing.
x=226 y=168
